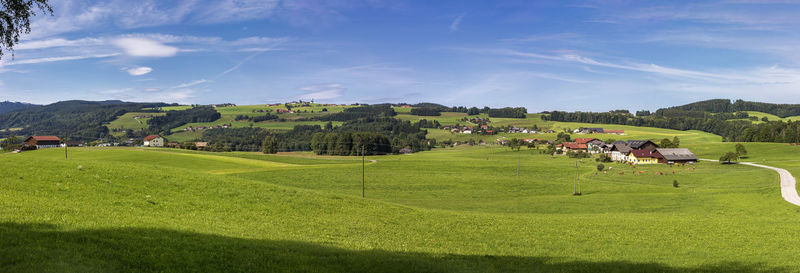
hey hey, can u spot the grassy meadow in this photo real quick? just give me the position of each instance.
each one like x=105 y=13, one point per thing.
x=462 y=209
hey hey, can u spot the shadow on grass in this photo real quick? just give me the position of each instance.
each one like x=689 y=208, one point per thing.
x=44 y=248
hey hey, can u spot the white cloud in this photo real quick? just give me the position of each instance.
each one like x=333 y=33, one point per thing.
x=457 y=22
x=139 y=71
x=142 y=47
x=322 y=91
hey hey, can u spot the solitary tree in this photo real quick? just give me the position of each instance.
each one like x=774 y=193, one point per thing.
x=676 y=142
x=728 y=157
x=15 y=19
x=740 y=150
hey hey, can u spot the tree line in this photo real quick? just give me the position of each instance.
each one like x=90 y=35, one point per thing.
x=177 y=118
x=730 y=130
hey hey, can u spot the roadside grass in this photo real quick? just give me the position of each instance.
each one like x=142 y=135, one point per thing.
x=448 y=210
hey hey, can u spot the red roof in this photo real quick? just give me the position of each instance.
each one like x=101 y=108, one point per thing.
x=583 y=140
x=46 y=138
x=150 y=137
x=614 y=131
x=574 y=146
x=642 y=153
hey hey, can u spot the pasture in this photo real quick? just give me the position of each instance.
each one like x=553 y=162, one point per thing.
x=461 y=209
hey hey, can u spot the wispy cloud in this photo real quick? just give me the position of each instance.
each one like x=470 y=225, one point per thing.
x=190 y=84
x=322 y=91
x=457 y=22
x=57 y=59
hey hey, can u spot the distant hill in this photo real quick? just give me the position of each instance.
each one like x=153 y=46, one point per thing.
x=726 y=106
x=8 y=106
x=73 y=119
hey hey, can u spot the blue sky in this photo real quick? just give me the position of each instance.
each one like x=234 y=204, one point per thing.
x=543 y=55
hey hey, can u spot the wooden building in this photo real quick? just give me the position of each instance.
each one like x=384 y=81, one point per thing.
x=40 y=142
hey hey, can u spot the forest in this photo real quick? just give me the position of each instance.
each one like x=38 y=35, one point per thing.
x=73 y=120
x=725 y=106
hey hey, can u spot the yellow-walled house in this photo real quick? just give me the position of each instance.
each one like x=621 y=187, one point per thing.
x=637 y=157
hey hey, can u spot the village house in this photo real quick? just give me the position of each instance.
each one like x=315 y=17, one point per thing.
x=675 y=156
x=592 y=144
x=642 y=156
x=154 y=141
x=619 y=151
x=201 y=145
x=642 y=145
x=40 y=142
x=572 y=146
x=616 y=132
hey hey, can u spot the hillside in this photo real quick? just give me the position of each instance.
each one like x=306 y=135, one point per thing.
x=457 y=211
x=79 y=120
x=8 y=106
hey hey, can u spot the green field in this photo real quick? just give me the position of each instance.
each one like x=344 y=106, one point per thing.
x=127 y=121
x=460 y=209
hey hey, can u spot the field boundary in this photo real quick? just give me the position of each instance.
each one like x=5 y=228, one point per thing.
x=788 y=182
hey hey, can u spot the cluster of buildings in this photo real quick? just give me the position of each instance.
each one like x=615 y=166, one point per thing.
x=583 y=130
x=198 y=128
x=632 y=151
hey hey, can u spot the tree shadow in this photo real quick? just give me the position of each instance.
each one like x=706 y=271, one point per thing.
x=45 y=248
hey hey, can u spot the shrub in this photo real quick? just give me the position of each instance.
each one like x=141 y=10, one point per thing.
x=600 y=167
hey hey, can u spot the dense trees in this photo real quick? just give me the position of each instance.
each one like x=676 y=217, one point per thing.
x=78 y=120
x=426 y=112
x=725 y=106
x=360 y=112
x=350 y=143
x=173 y=119
x=7 y=106
x=270 y=145
x=508 y=112
x=266 y=117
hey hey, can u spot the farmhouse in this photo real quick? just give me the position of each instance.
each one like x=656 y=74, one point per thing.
x=641 y=156
x=154 y=141
x=675 y=156
x=39 y=142
x=619 y=151
x=201 y=145
x=572 y=146
x=617 y=132
x=593 y=145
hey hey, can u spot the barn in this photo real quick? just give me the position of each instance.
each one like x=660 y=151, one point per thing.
x=40 y=142
x=675 y=156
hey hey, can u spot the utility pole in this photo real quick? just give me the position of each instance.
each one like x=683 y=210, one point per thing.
x=65 y=148
x=576 y=187
x=363 y=183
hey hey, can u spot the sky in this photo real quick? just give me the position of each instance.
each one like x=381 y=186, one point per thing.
x=544 y=55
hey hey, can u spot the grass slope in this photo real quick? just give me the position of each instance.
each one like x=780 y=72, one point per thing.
x=449 y=210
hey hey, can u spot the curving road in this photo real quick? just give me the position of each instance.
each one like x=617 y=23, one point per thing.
x=788 y=189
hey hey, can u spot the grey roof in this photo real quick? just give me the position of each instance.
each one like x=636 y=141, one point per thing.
x=676 y=154
x=636 y=144
x=621 y=147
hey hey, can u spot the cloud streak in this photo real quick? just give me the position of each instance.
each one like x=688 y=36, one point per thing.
x=457 y=22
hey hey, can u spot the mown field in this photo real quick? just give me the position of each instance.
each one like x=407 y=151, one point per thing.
x=462 y=209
